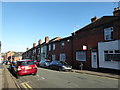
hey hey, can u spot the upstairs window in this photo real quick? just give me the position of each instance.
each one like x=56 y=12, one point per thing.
x=62 y=45
x=108 y=33
x=49 y=47
x=54 y=46
x=38 y=50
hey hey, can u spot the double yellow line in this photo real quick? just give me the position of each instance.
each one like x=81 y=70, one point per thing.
x=26 y=86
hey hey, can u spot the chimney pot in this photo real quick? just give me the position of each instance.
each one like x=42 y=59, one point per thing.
x=34 y=44
x=39 y=42
x=116 y=11
x=94 y=19
x=27 y=49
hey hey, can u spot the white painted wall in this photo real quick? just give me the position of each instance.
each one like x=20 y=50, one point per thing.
x=113 y=45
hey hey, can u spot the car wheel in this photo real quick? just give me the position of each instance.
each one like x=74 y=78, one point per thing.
x=17 y=76
x=34 y=74
x=60 y=69
x=51 y=68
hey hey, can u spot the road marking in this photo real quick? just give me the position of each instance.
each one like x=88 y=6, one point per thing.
x=102 y=77
x=28 y=86
x=42 y=78
x=24 y=86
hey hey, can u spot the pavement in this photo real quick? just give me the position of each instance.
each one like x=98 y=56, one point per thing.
x=109 y=75
x=8 y=80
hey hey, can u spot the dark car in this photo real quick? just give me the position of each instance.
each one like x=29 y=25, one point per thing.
x=60 y=65
x=44 y=63
x=6 y=62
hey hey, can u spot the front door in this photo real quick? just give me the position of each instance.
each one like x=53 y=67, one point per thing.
x=94 y=60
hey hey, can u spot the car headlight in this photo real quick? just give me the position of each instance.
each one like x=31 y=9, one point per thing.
x=64 y=66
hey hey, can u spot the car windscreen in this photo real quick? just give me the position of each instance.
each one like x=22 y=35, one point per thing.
x=26 y=63
x=64 y=63
x=48 y=61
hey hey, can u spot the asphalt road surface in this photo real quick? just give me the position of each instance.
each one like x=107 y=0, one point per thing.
x=46 y=78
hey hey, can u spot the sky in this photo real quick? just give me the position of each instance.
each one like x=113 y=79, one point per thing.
x=24 y=23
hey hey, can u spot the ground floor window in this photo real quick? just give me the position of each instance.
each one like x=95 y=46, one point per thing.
x=62 y=57
x=112 y=55
x=81 y=55
x=53 y=57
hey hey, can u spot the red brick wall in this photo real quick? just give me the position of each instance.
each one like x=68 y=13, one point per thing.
x=66 y=50
x=90 y=38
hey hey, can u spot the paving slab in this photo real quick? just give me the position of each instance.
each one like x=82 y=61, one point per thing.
x=97 y=73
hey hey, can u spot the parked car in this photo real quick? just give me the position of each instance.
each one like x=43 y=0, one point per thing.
x=6 y=62
x=37 y=62
x=44 y=63
x=60 y=65
x=23 y=67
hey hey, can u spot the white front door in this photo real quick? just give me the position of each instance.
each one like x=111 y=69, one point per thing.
x=94 y=60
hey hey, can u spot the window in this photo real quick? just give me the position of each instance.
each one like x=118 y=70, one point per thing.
x=81 y=55
x=62 y=45
x=108 y=33
x=112 y=55
x=54 y=46
x=38 y=50
x=49 y=47
x=62 y=57
x=34 y=51
x=53 y=57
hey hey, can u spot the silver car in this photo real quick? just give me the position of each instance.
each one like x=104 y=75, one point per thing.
x=44 y=63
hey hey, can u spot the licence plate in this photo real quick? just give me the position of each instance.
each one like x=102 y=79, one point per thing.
x=29 y=68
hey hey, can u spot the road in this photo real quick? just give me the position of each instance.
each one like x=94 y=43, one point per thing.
x=46 y=78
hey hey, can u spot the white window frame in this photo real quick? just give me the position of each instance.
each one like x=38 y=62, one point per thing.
x=39 y=51
x=110 y=53
x=54 y=46
x=35 y=51
x=53 y=57
x=107 y=33
x=62 y=57
x=81 y=55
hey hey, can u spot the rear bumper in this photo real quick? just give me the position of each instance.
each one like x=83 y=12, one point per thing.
x=67 y=69
x=31 y=71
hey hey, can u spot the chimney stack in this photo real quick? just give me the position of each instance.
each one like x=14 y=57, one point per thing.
x=39 y=42
x=46 y=39
x=116 y=11
x=34 y=44
x=94 y=19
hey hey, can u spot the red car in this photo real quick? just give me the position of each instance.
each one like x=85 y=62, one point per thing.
x=26 y=67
